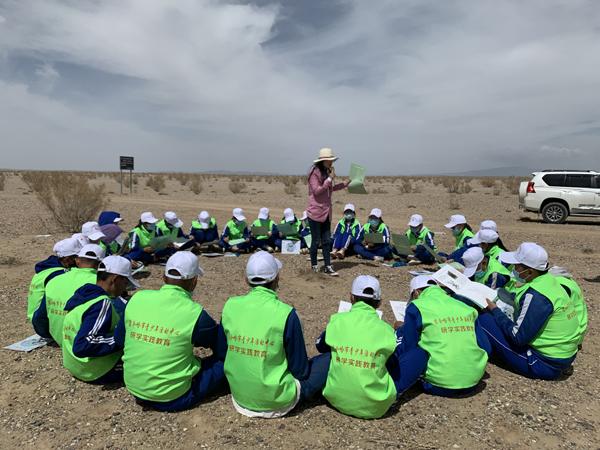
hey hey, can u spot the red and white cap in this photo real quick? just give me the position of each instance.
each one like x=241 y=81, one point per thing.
x=262 y=268
x=238 y=213
x=363 y=283
x=471 y=260
x=204 y=219
x=263 y=214
x=420 y=282
x=67 y=247
x=528 y=254
x=92 y=251
x=456 y=219
x=185 y=265
x=415 y=220
x=485 y=236
x=288 y=215
x=148 y=217
x=488 y=225
x=172 y=219
x=119 y=266
x=92 y=231
x=375 y=212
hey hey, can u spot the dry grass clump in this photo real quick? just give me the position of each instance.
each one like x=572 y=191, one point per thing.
x=457 y=185
x=156 y=182
x=69 y=198
x=237 y=187
x=290 y=185
x=497 y=189
x=405 y=186
x=454 y=202
x=2 y=180
x=487 y=182
x=513 y=184
x=196 y=185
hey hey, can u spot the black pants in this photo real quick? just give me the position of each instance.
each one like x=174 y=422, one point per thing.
x=321 y=234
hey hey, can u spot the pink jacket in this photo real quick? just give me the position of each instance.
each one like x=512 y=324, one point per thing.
x=319 y=195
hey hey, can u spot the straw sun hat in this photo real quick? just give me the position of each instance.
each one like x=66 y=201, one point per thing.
x=326 y=154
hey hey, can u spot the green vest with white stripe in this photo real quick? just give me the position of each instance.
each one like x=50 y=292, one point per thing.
x=420 y=239
x=37 y=289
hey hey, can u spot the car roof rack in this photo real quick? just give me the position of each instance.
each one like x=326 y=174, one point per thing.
x=568 y=170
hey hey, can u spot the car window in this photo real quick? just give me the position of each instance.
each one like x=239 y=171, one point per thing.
x=581 y=181
x=597 y=182
x=554 y=179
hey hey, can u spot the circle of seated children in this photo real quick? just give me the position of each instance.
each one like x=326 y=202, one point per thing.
x=441 y=340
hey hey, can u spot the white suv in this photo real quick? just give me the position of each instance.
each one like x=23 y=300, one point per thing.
x=558 y=194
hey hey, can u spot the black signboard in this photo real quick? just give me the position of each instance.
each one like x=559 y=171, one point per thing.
x=126 y=162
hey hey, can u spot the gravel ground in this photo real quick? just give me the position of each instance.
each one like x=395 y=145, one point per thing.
x=41 y=406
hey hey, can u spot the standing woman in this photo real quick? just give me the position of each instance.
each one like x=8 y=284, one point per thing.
x=321 y=178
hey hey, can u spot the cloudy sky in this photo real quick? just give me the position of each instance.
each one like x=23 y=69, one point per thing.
x=401 y=86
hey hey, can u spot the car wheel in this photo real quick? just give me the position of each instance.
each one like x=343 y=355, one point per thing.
x=555 y=213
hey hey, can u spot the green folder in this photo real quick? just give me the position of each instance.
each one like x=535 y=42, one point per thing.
x=259 y=230
x=308 y=240
x=402 y=244
x=357 y=179
x=287 y=229
x=433 y=253
x=233 y=242
x=374 y=238
x=160 y=242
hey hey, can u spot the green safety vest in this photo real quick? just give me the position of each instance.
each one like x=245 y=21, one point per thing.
x=380 y=228
x=158 y=356
x=256 y=364
x=420 y=239
x=37 y=290
x=196 y=224
x=88 y=368
x=580 y=306
x=165 y=230
x=58 y=292
x=144 y=236
x=462 y=237
x=263 y=223
x=455 y=359
x=494 y=252
x=111 y=249
x=236 y=231
x=494 y=267
x=296 y=224
x=560 y=336
x=358 y=383
x=354 y=227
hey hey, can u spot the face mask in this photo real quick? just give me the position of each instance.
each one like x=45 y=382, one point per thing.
x=479 y=274
x=456 y=231
x=349 y=216
x=374 y=222
x=415 y=230
x=517 y=277
x=150 y=227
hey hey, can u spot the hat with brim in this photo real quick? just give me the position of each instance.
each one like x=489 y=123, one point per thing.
x=326 y=154
x=238 y=213
x=471 y=259
x=528 y=254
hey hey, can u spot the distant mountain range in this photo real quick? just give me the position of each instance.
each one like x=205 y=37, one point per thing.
x=496 y=172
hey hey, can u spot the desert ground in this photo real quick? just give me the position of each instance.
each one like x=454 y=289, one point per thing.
x=42 y=406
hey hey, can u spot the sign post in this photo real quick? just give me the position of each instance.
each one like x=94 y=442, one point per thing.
x=126 y=163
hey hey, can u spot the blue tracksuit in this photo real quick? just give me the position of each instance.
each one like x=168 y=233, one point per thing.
x=49 y=263
x=208 y=381
x=208 y=235
x=510 y=340
x=94 y=337
x=312 y=373
x=384 y=250
x=242 y=246
x=409 y=336
x=344 y=236
x=423 y=255
x=404 y=368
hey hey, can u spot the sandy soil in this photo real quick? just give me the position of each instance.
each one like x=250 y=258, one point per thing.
x=41 y=406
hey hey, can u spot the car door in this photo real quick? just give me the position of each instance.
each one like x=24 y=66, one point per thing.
x=597 y=191
x=581 y=193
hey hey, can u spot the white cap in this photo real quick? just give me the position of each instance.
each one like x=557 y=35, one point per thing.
x=415 y=220
x=288 y=215
x=488 y=225
x=81 y=239
x=263 y=214
x=262 y=268
x=484 y=236
x=349 y=207
x=148 y=217
x=204 y=219
x=185 y=264
x=363 y=282
x=529 y=254
x=304 y=215
x=420 y=282
x=456 y=219
x=375 y=212
x=67 y=247
x=238 y=213
x=92 y=231
x=471 y=260
x=92 y=251
x=172 y=219
x=119 y=266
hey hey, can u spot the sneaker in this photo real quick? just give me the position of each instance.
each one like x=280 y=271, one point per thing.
x=315 y=269
x=329 y=271
x=269 y=249
x=378 y=258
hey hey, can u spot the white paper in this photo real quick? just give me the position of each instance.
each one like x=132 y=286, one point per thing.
x=507 y=309
x=458 y=283
x=289 y=247
x=399 y=309
x=26 y=345
x=347 y=306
